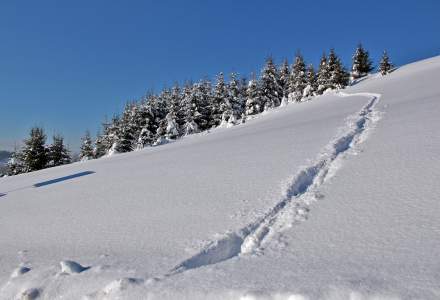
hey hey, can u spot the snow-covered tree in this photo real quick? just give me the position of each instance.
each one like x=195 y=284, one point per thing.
x=339 y=77
x=34 y=153
x=297 y=79
x=254 y=103
x=15 y=163
x=58 y=153
x=100 y=149
x=385 y=65
x=148 y=121
x=125 y=137
x=190 y=103
x=311 y=87
x=362 y=64
x=271 y=92
x=86 y=149
x=284 y=80
x=202 y=93
x=233 y=105
x=323 y=76
x=219 y=100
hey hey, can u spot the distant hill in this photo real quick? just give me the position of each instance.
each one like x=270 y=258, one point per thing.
x=4 y=156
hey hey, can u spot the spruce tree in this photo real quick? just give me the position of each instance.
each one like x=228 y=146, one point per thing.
x=339 y=77
x=86 y=149
x=35 y=154
x=298 y=80
x=100 y=149
x=125 y=140
x=284 y=80
x=58 y=153
x=311 y=87
x=233 y=109
x=190 y=103
x=271 y=92
x=362 y=64
x=148 y=121
x=15 y=163
x=323 y=76
x=385 y=65
x=254 y=103
x=219 y=100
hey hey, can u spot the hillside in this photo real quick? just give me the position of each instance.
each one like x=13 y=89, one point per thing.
x=335 y=198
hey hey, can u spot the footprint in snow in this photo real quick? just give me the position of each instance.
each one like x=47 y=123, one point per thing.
x=20 y=271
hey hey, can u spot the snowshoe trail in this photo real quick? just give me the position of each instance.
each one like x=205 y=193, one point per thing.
x=294 y=205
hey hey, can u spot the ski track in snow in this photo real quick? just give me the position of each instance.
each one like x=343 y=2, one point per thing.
x=301 y=191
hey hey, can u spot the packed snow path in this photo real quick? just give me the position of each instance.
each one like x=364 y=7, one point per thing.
x=302 y=189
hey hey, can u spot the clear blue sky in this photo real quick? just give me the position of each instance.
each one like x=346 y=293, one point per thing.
x=64 y=65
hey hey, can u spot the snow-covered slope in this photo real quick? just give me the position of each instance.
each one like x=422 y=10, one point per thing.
x=335 y=198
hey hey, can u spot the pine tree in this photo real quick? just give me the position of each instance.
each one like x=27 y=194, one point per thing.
x=311 y=87
x=15 y=163
x=203 y=99
x=254 y=103
x=271 y=92
x=323 y=76
x=148 y=121
x=35 y=154
x=362 y=64
x=125 y=140
x=100 y=149
x=297 y=79
x=219 y=100
x=385 y=65
x=233 y=104
x=190 y=103
x=339 y=77
x=86 y=149
x=58 y=153
x=284 y=80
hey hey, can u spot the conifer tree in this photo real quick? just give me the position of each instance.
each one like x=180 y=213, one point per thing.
x=15 y=163
x=100 y=149
x=362 y=64
x=219 y=100
x=190 y=103
x=58 y=153
x=148 y=121
x=339 y=77
x=385 y=65
x=323 y=76
x=271 y=91
x=298 y=80
x=284 y=80
x=254 y=103
x=233 y=102
x=311 y=87
x=203 y=99
x=86 y=149
x=35 y=154
x=125 y=140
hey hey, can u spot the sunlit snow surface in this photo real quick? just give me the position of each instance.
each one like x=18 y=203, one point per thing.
x=336 y=198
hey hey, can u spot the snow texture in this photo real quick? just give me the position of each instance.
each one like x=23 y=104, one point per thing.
x=333 y=198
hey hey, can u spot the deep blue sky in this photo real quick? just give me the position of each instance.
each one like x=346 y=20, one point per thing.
x=64 y=65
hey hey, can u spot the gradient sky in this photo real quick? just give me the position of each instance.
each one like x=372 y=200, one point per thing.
x=64 y=65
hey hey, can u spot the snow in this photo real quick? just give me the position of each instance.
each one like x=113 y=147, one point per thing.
x=333 y=198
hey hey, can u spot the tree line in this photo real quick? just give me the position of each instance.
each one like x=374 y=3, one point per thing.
x=199 y=106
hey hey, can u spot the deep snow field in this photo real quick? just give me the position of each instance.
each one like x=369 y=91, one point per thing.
x=334 y=198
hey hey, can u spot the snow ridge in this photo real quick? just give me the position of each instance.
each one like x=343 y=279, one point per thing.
x=301 y=191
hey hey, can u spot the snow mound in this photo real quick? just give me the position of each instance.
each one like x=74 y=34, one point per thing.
x=72 y=267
